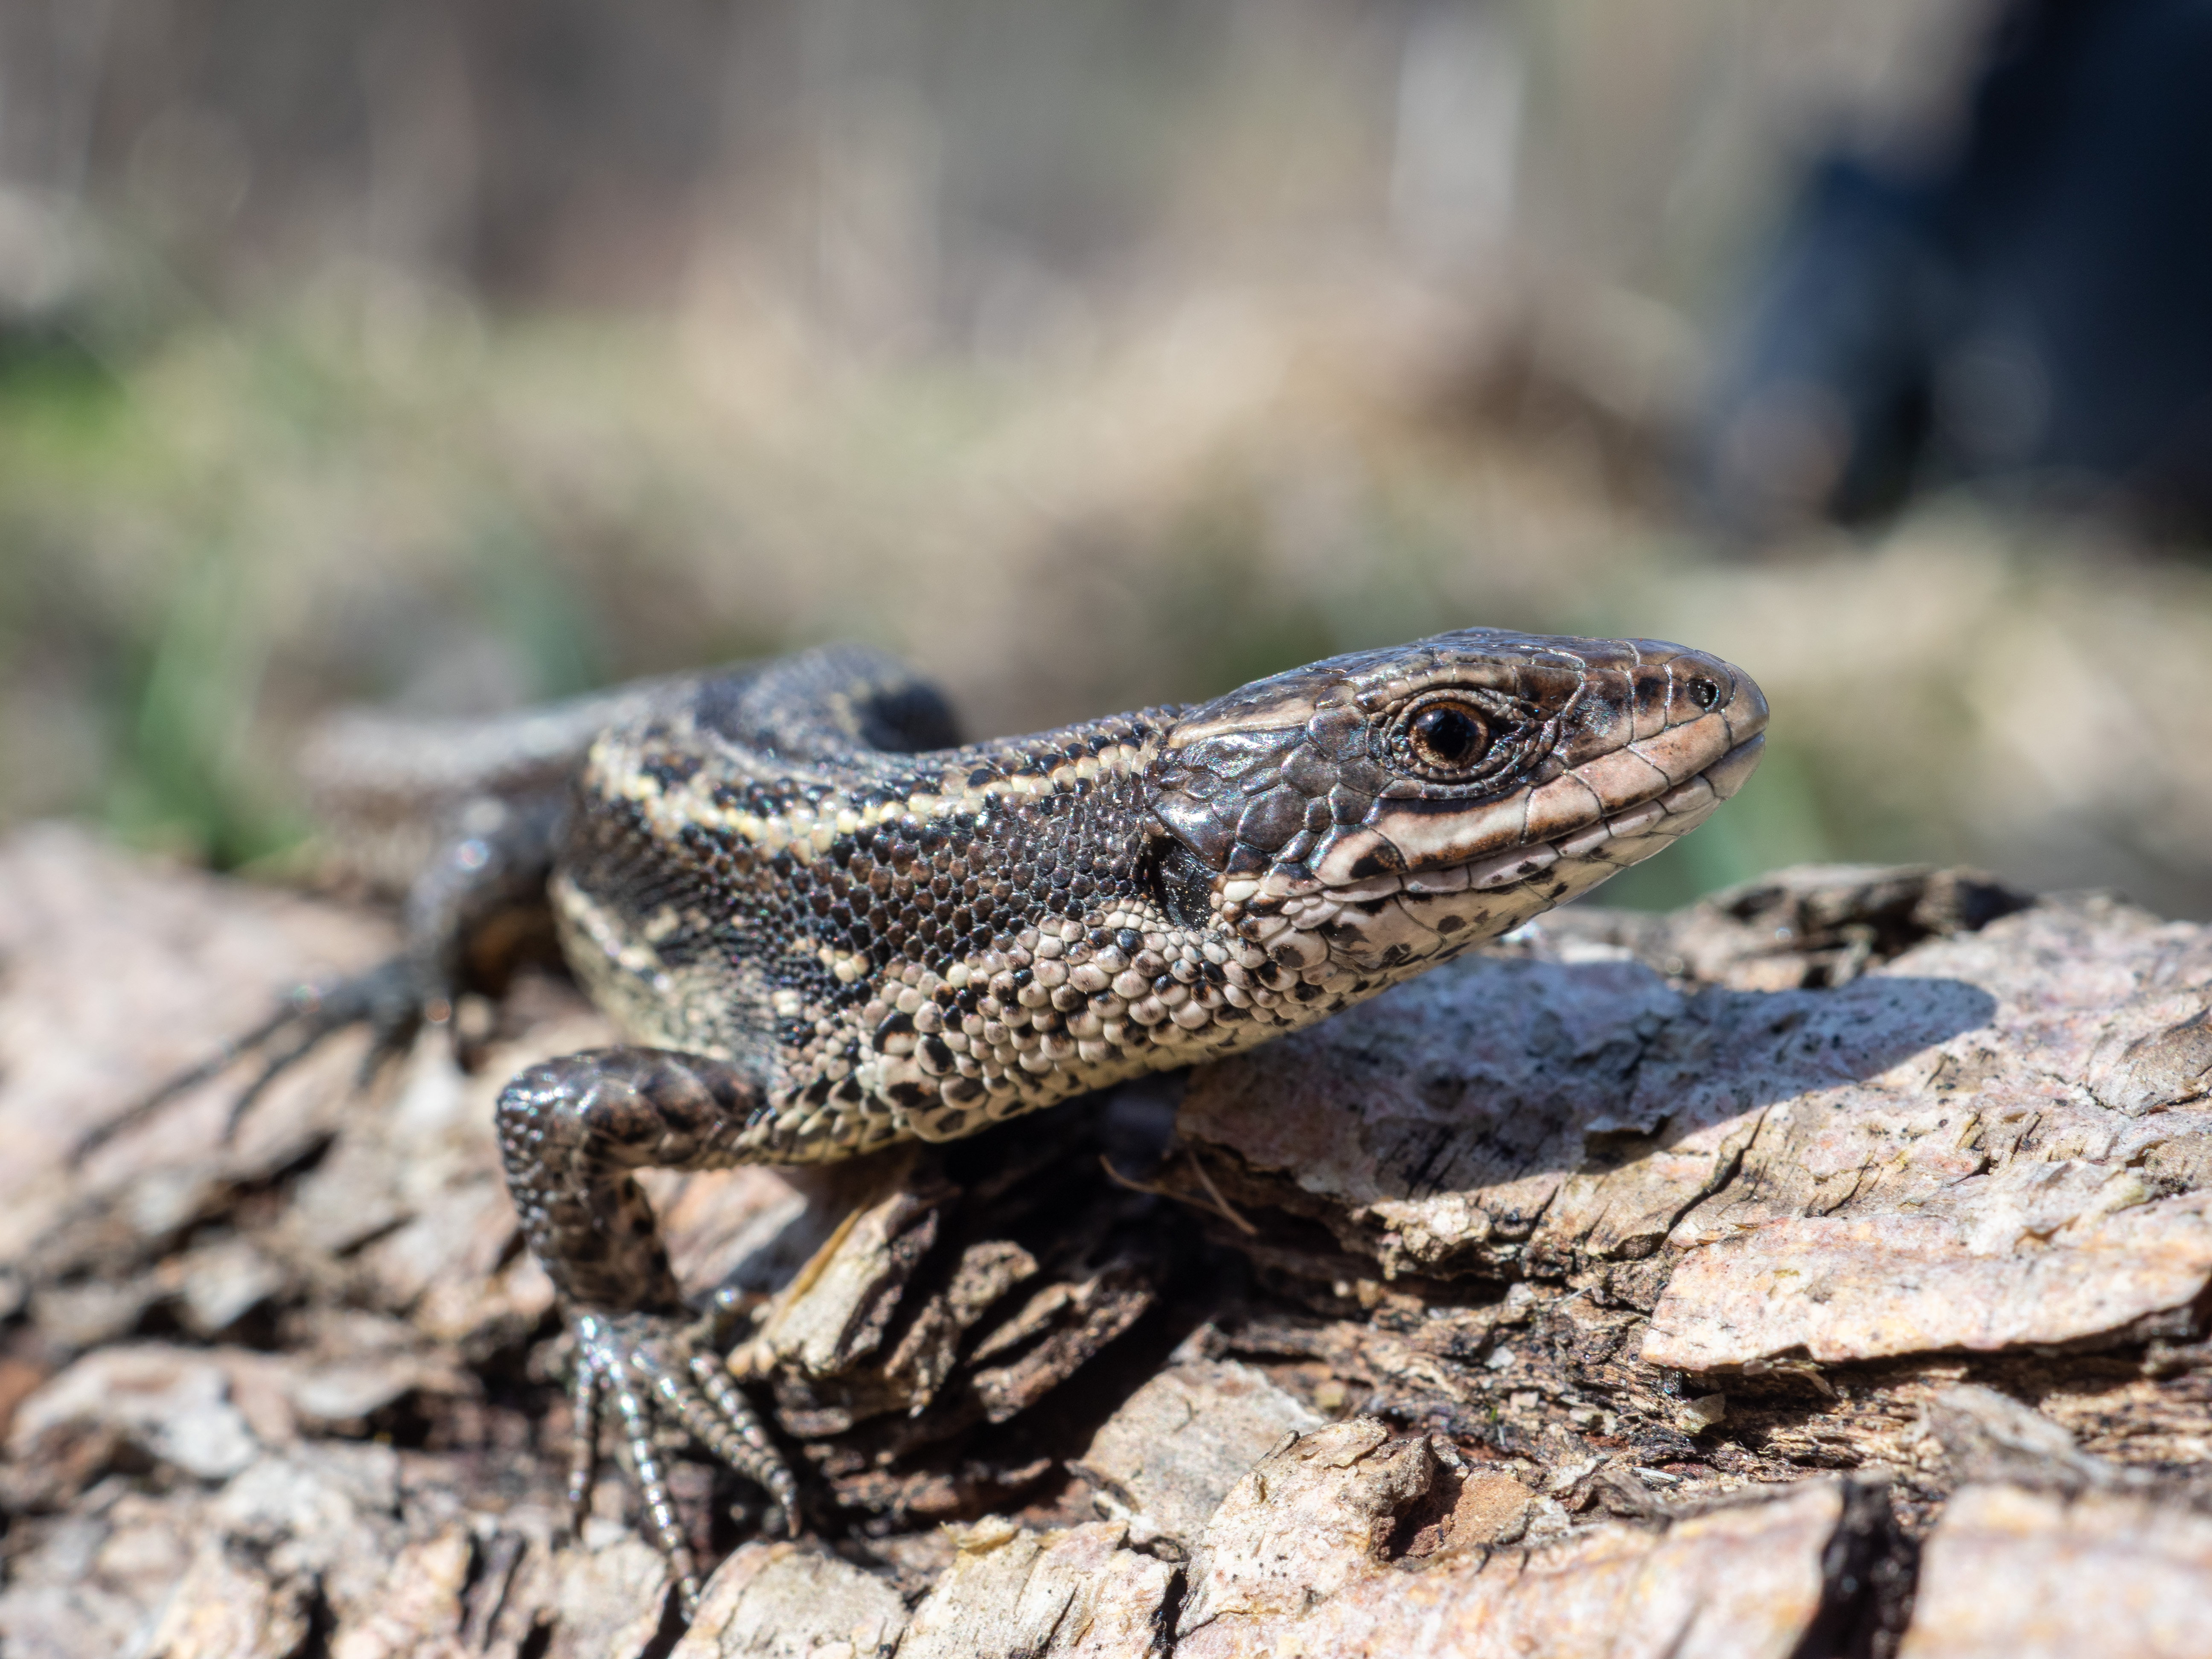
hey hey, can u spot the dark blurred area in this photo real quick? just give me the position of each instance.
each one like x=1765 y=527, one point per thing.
x=2033 y=307
x=455 y=355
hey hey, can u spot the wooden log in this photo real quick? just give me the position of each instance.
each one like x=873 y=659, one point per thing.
x=1821 y=1269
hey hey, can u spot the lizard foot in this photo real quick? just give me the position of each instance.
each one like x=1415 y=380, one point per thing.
x=654 y=1370
x=392 y=999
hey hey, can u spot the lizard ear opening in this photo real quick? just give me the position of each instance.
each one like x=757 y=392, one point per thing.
x=907 y=719
x=1183 y=883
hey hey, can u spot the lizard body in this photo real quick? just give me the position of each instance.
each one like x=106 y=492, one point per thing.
x=828 y=926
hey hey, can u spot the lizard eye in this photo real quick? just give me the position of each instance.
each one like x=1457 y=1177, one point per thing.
x=1448 y=736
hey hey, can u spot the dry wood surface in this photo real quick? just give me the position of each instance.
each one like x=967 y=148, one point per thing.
x=1821 y=1270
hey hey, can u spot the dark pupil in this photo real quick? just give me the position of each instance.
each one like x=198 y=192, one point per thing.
x=1448 y=736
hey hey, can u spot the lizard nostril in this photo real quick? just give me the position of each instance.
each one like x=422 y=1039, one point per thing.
x=1703 y=692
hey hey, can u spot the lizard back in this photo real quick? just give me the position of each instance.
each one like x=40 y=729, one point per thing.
x=797 y=869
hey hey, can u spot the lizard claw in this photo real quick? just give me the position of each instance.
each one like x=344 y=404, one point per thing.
x=653 y=1369
x=390 y=999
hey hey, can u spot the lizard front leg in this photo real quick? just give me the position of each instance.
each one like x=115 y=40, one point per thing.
x=571 y=1132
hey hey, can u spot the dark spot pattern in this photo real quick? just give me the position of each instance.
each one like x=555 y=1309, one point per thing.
x=797 y=873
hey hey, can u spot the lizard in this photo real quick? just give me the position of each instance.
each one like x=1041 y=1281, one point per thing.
x=827 y=925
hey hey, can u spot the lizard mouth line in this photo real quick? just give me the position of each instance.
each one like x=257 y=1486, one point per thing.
x=1668 y=815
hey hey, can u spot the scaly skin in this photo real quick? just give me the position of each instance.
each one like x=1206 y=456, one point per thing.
x=826 y=930
x=894 y=944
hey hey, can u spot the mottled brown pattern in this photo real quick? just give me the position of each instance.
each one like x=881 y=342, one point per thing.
x=895 y=945
x=834 y=931
x=828 y=928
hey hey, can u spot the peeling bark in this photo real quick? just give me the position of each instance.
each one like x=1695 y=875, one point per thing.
x=1822 y=1269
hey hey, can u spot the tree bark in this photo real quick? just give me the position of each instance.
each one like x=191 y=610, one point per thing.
x=1820 y=1270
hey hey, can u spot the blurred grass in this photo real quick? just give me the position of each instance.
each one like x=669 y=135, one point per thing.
x=183 y=706
x=1089 y=357
x=382 y=495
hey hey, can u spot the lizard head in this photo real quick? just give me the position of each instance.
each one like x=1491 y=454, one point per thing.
x=1379 y=810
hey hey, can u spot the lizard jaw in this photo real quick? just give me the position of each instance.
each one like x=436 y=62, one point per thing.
x=1405 y=920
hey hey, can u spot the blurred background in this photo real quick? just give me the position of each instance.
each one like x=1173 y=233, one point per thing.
x=457 y=353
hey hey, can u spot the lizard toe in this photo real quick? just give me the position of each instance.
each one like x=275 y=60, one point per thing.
x=647 y=1364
